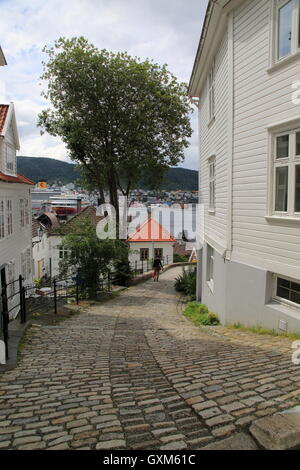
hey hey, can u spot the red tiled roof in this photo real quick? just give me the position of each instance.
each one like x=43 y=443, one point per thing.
x=150 y=231
x=89 y=213
x=3 y=114
x=15 y=179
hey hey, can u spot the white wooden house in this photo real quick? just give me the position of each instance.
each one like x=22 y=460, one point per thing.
x=150 y=241
x=246 y=83
x=53 y=251
x=15 y=210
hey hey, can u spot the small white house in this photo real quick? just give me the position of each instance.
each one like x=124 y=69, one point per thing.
x=245 y=81
x=15 y=210
x=150 y=241
x=42 y=261
x=54 y=249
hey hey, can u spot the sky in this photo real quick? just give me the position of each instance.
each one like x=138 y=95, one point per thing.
x=166 y=31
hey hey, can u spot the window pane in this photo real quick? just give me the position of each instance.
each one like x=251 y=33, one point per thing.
x=281 y=189
x=297 y=189
x=285 y=29
x=298 y=143
x=283 y=288
x=288 y=290
x=282 y=146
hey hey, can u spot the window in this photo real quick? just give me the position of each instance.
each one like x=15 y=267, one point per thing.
x=26 y=263
x=2 y=220
x=9 y=216
x=26 y=207
x=286 y=161
x=10 y=157
x=287 y=290
x=63 y=252
x=210 y=266
x=22 y=212
x=11 y=278
x=287 y=27
x=158 y=253
x=144 y=253
x=212 y=184
x=211 y=92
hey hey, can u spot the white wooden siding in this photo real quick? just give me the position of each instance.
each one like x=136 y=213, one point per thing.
x=213 y=140
x=260 y=99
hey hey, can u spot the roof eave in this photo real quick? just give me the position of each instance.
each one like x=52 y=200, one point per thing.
x=2 y=58
x=213 y=29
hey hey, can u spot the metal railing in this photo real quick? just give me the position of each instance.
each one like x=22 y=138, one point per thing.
x=146 y=265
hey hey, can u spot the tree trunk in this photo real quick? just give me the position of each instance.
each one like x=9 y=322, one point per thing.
x=113 y=196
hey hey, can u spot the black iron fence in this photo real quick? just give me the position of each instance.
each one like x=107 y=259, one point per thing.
x=18 y=299
x=143 y=266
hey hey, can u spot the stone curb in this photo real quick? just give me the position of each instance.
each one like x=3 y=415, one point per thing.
x=280 y=431
x=15 y=336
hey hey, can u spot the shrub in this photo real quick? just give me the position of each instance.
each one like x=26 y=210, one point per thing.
x=178 y=258
x=186 y=283
x=200 y=315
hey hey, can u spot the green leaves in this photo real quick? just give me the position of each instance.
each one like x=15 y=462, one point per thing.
x=90 y=256
x=117 y=115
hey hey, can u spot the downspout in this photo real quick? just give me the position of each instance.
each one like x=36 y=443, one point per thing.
x=230 y=132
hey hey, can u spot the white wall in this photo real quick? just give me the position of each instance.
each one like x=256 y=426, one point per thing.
x=40 y=253
x=136 y=246
x=54 y=242
x=261 y=98
x=214 y=141
x=13 y=245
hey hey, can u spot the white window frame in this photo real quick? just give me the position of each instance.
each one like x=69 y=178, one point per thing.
x=143 y=250
x=26 y=263
x=212 y=184
x=22 y=212
x=210 y=261
x=161 y=251
x=10 y=158
x=282 y=300
x=9 y=217
x=26 y=207
x=211 y=93
x=11 y=277
x=295 y=47
x=291 y=162
x=2 y=219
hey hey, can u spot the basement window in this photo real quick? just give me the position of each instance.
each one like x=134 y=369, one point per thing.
x=287 y=290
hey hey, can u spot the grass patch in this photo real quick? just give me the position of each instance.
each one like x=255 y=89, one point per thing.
x=200 y=315
x=263 y=331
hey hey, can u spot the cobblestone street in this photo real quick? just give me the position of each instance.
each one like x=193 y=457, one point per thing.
x=132 y=373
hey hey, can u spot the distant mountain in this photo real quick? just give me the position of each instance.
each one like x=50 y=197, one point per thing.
x=54 y=171
x=50 y=169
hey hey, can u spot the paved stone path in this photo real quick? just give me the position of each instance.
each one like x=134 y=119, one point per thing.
x=133 y=373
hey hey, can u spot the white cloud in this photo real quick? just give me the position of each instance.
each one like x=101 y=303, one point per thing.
x=165 y=30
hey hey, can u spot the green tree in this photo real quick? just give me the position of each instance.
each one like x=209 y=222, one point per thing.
x=121 y=118
x=89 y=256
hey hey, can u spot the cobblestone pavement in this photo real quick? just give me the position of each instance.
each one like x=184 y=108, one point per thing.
x=132 y=373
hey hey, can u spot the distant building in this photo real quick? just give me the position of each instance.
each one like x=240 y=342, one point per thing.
x=53 y=250
x=150 y=241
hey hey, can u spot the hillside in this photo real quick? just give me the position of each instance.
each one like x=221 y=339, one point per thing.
x=52 y=170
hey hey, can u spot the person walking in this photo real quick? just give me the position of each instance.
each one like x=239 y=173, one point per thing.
x=157 y=266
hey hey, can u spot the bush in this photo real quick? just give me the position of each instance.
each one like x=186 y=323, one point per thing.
x=186 y=283
x=178 y=258
x=200 y=315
